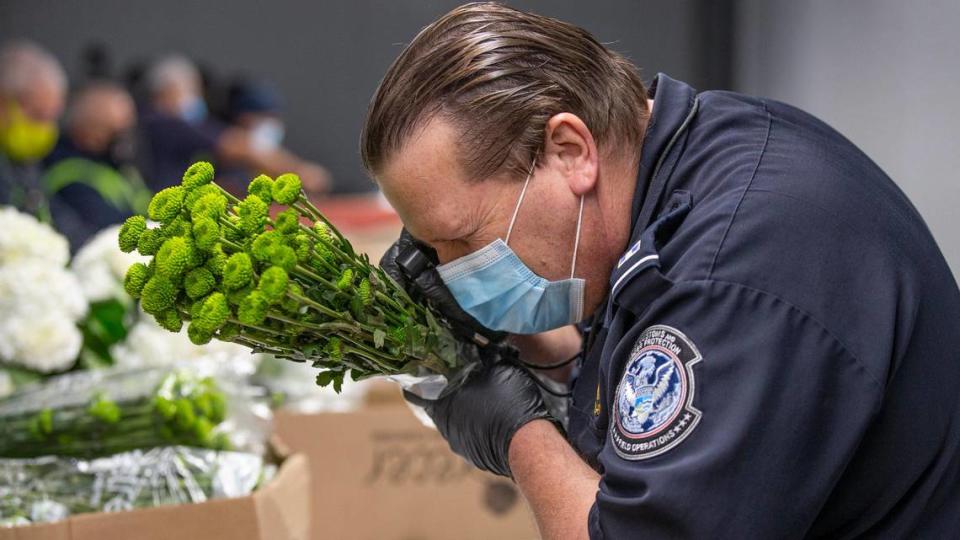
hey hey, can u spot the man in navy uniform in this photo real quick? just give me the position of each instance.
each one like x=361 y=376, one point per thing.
x=769 y=333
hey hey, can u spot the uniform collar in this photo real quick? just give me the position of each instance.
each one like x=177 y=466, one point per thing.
x=673 y=103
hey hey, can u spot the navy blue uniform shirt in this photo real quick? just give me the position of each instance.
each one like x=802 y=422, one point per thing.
x=779 y=353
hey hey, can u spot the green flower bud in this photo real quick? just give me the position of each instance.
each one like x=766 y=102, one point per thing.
x=213 y=313
x=203 y=431
x=265 y=243
x=194 y=195
x=262 y=186
x=212 y=205
x=323 y=230
x=217 y=260
x=197 y=334
x=238 y=271
x=169 y=319
x=286 y=188
x=198 y=282
x=334 y=349
x=166 y=408
x=302 y=245
x=104 y=409
x=284 y=257
x=287 y=221
x=134 y=280
x=130 y=233
x=235 y=298
x=166 y=204
x=346 y=280
x=173 y=257
x=198 y=174
x=206 y=233
x=364 y=292
x=185 y=417
x=253 y=308
x=149 y=242
x=253 y=214
x=273 y=284
x=288 y=303
x=158 y=294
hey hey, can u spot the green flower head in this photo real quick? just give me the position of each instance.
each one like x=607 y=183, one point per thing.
x=235 y=298
x=253 y=309
x=130 y=233
x=178 y=227
x=302 y=246
x=238 y=271
x=149 y=242
x=323 y=230
x=104 y=409
x=229 y=331
x=166 y=204
x=286 y=188
x=364 y=292
x=185 y=416
x=198 y=174
x=212 y=205
x=158 y=294
x=198 y=334
x=203 y=431
x=273 y=284
x=165 y=407
x=198 y=282
x=265 y=244
x=213 y=313
x=262 y=186
x=288 y=303
x=206 y=233
x=346 y=279
x=217 y=260
x=133 y=282
x=173 y=257
x=287 y=222
x=284 y=257
x=195 y=194
x=253 y=214
x=169 y=319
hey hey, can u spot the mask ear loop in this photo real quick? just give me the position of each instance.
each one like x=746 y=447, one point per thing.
x=576 y=243
x=523 y=192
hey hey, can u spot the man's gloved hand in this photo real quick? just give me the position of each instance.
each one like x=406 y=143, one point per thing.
x=479 y=419
x=412 y=264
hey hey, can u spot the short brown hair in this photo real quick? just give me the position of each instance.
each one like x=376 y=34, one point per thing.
x=499 y=74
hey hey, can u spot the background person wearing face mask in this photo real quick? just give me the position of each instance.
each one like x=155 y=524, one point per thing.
x=90 y=178
x=770 y=333
x=32 y=92
x=178 y=130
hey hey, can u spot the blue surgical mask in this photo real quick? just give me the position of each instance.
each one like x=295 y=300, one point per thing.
x=501 y=293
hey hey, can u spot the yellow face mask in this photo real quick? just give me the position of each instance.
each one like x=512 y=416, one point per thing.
x=24 y=139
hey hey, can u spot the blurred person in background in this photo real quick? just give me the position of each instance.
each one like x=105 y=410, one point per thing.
x=90 y=178
x=33 y=86
x=178 y=130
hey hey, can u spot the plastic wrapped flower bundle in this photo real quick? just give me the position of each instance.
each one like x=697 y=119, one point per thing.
x=290 y=285
x=93 y=415
x=50 y=488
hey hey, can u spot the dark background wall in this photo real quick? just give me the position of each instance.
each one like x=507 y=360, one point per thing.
x=327 y=57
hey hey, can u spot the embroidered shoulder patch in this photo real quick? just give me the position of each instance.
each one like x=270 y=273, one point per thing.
x=653 y=410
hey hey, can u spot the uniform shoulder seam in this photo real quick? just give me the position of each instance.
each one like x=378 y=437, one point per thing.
x=793 y=307
x=746 y=188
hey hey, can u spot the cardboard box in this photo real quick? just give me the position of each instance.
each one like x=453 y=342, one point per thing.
x=380 y=474
x=279 y=510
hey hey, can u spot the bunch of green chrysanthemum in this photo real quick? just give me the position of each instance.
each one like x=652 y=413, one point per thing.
x=289 y=285
x=182 y=410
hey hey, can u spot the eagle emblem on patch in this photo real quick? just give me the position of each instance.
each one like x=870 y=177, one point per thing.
x=653 y=410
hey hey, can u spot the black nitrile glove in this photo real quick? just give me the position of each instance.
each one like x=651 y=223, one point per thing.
x=479 y=418
x=413 y=264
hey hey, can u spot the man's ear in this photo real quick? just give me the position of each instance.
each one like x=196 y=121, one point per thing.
x=569 y=143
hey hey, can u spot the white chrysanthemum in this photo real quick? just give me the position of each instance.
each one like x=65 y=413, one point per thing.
x=46 y=343
x=100 y=266
x=23 y=237
x=33 y=286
